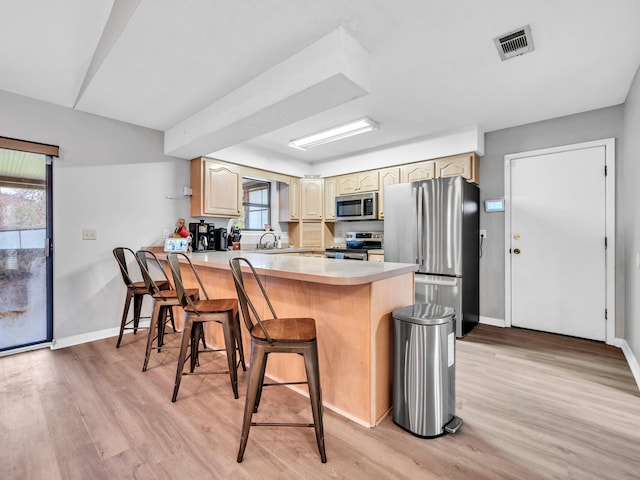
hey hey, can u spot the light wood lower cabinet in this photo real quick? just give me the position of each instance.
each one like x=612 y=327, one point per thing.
x=216 y=188
x=376 y=257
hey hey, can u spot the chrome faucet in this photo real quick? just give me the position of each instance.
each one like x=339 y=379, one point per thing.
x=273 y=245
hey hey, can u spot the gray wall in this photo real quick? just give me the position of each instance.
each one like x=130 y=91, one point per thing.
x=628 y=216
x=110 y=176
x=583 y=127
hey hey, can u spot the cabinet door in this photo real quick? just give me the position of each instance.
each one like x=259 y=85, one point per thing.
x=368 y=181
x=347 y=184
x=311 y=198
x=358 y=183
x=216 y=189
x=465 y=165
x=418 y=171
x=388 y=176
x=222 y=186
x=294 y=199
x=330 y=189
x=311 y=234
x=376 y=257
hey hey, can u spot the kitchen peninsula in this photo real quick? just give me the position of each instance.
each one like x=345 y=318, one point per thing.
x=351 y=302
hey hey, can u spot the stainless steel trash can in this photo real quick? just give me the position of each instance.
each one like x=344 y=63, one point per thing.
x=424 y=375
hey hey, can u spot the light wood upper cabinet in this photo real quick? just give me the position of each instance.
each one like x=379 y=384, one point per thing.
x=311 y=198
x=418 y=171
x=466 y=165
x=294 y=199
x=388 y=176
x=358 y=182
x=216 y=188
x=330 y=192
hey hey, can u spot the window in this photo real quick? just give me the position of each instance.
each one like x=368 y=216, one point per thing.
x=256 y=203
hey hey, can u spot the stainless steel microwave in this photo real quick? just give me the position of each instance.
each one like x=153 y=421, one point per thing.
x=361 y=206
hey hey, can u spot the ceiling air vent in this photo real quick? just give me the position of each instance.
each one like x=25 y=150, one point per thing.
x=512 y=44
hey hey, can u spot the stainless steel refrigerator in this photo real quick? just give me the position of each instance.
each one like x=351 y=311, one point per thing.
x=435 y=223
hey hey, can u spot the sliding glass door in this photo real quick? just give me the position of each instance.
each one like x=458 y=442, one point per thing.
x=25 y=249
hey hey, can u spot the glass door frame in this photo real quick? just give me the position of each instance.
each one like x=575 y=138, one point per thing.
x=48 y=152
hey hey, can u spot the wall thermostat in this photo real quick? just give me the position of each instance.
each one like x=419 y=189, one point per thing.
x=496 y=205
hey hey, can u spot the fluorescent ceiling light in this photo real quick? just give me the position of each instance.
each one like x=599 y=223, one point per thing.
x=356 y=127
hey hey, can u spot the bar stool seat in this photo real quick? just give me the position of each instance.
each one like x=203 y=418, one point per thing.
x=136 y=290
x=163 y=302
x=196 y=312
x=276 y=335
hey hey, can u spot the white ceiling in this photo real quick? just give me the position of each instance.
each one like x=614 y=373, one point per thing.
x=433 y=65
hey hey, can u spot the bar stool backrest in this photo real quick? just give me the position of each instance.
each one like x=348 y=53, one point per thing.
x=174 y=264
x=142 y=256
x=249 y=312
x=120 y=254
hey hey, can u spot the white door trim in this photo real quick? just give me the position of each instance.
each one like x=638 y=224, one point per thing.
x=610 y=217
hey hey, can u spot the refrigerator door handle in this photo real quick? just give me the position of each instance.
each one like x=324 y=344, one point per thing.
x=420 y=193
x=449 y=282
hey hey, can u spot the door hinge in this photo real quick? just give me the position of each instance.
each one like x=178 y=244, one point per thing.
x=606 y=314
x=605 y=170
x=605 y=243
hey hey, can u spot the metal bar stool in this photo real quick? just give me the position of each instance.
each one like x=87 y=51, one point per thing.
x=135 y=291
x=277 y=335
x=163 y=302
x=196 y=312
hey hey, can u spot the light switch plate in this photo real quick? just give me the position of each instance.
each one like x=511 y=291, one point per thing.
x=89 y=234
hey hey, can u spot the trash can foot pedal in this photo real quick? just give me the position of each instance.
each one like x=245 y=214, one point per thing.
x=454 y=425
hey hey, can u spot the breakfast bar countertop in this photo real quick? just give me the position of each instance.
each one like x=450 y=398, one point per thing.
x=327 y=271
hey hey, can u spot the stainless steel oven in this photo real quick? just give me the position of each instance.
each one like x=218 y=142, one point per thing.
x=357 y=246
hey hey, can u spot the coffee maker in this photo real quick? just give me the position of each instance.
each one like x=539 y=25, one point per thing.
x=202 y=238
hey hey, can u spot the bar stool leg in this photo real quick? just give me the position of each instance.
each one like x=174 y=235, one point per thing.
x=161 y=320
x=152 y=333
x=125 y=313
x=230 y=346
x=238 y=335
x=256 y=377
x=137 y=309
x=261 y=384
x=173 y=323
x=184 y=345
x=315 y=395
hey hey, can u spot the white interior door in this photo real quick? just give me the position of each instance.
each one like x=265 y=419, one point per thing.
x=557 y=242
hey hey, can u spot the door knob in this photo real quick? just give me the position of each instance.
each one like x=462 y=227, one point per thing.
x=516 y=251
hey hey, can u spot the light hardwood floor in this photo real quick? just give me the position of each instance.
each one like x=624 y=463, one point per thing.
x=535 y=406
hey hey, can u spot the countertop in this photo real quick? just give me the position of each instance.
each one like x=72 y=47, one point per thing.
x=328 y=271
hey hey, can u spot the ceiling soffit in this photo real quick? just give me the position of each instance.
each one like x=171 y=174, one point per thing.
x=330 y=72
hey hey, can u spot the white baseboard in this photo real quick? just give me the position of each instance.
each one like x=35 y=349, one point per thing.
x=92 y=336
x=29 y=348
x=632 y=361
x=495 y=322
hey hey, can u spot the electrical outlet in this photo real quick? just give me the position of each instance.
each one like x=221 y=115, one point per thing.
x=89 y=234
x=483 y=234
